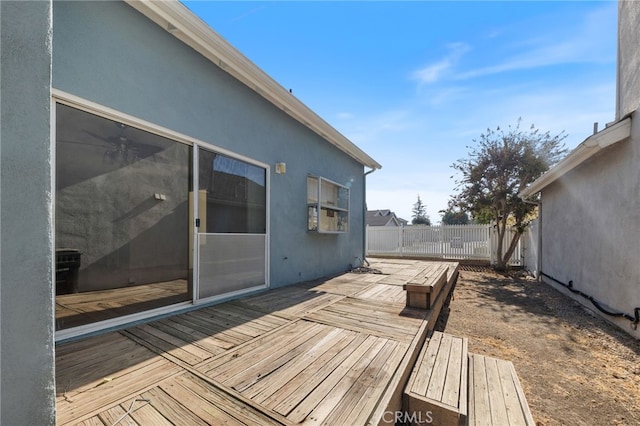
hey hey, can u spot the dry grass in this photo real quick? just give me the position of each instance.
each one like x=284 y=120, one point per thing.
x=575 y=368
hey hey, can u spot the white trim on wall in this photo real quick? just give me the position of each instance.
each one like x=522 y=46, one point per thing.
x=591 y=146
x=117 y=322
x=179 y=21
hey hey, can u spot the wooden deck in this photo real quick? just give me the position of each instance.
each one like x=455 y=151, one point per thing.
x=495 y=394
x=76 y=309
x=335 y=351
x=438 y=383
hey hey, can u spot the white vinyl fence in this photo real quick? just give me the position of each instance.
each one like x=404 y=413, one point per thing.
x=456 y=242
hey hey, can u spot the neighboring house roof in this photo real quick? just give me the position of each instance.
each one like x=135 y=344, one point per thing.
x=384 y=218
x=610 y=135
x=178 y=20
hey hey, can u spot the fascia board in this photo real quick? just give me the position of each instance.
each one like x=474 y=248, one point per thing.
x=587 y=149
x=178 y=20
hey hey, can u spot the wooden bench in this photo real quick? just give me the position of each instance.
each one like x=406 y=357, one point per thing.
x=437 y=388
x=495 y=394
x=424 y=287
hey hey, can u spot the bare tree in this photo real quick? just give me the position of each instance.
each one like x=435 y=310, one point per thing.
x=500 y=165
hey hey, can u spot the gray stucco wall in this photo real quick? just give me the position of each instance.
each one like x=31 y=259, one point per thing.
x=108 y=53
x=590 y=228
x=628 y=57
x=26 y=355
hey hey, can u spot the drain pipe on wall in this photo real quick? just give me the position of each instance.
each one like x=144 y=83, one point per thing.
x=364 y=217
x=634 y=319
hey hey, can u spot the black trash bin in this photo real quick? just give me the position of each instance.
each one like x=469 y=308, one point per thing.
x=67 y=270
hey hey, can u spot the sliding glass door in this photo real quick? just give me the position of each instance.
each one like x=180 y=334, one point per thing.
x=132 y=237
x=231 y=225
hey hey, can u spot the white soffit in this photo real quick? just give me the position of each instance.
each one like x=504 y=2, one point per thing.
x=592 y=145
x=178 y=20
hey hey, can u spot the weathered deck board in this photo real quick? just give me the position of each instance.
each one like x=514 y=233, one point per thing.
x=98 y=384
x=142 y=411
x=438 y=381
x=116 y=415
x=153 y=338
x=345 y=390
x=171 y=409
x=392 y=398
x=254 y=346
x=290 y=303
x=347 y=286
x=361 y=410
x=242 y=373
x=495 y=394
x=383 y=293
x=377 y=318
x=326 y=352
x=77 y=309
x=314 y=372
x=298 y=413
x=93 y=421
x=322 y=350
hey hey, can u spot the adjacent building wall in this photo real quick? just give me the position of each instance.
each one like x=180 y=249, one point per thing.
x=591 y=216
x=628 y=57
x=27 y=389
x=590 y=232
x=110 y=54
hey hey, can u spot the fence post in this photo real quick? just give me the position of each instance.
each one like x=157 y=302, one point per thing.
x=401 y=240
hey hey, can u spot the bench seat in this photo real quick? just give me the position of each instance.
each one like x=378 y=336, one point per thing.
x=437 y=387
x=423 y=289
x=495 y=395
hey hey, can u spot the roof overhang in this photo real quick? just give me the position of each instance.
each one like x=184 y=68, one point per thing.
x=178 y=20
x=612 y=134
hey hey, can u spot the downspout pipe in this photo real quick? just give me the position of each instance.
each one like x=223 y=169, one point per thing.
x=364 y=217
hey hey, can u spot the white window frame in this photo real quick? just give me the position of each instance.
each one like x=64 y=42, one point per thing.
x=314 y=202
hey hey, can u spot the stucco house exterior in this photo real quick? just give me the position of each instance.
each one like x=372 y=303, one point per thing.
x=590 y=202
x=141 y=151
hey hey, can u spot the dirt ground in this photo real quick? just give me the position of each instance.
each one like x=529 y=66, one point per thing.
x=575 y=368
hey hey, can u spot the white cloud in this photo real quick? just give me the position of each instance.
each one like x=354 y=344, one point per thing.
x=417 y=159
x=590 y=41
x=434 y=72
x=417 y=139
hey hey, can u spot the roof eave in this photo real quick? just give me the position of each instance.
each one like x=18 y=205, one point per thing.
x=178 y=20
x=592 y=145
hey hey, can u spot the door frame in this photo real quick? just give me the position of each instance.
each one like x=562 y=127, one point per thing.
x=197 y=146
x=64 y=98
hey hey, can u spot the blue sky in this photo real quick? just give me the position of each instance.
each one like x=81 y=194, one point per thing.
x=414 y=83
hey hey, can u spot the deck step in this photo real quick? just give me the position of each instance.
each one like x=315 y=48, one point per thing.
x=495 y=394
x=437 y=388
x=424 y=287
